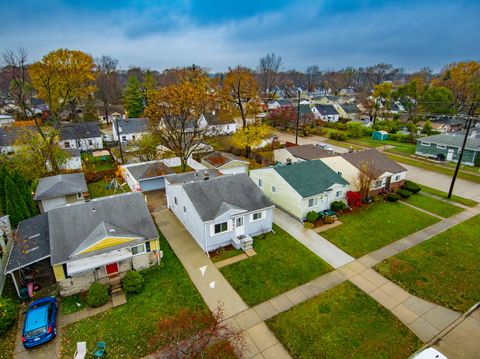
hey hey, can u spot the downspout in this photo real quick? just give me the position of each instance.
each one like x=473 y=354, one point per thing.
x=205 y=236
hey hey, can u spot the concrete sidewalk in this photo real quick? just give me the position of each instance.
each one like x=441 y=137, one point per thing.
x=313 y=241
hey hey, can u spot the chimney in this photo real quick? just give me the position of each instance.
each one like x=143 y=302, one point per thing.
x=289 y=161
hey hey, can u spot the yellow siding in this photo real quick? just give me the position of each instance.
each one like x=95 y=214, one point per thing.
x=108 y=242
x=58 y=271
x=154 y=244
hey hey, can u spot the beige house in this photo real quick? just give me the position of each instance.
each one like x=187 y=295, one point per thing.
x=300 y=153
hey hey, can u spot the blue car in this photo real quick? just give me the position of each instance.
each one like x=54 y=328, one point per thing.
x=40 y=320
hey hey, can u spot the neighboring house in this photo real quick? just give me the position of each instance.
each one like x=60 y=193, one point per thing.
x=447 y=146
x=445 y=124
x=82 y=136
x=300 y=153
x=220 y=211
x=351 y=111
x=326 y=113
x=276 y=104
x=9 y=136
x=6 y=120
x=131 y=129
x=216 y=126
x=301 y=187
x=73 y=163
x=225 y=162
x=77 y=245
x=328 y=100
x=386 y=174
x=60 y=190
x=5 y=247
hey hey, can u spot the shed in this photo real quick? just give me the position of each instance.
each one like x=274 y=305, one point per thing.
x=380 y=135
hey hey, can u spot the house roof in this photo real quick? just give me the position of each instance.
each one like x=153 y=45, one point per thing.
x=31 y=243
x=73 y=226
x=220 y=159
x=326 y=110
x=80 y=130
x=376 y=161
x=309 y=152
x=451 y=121
x=193 y=176
x=73 y=152
x=8 y=135
x=305 y=110
x=214 y=119
x=309 y=178
x=215 y=196
x=60 y=185
x=284 y=102
x=132 y=125
x=453 y=139
x=350 y=108
x=148 y=170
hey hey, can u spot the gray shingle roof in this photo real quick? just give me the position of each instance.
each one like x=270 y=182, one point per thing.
x=215 y=196
x=214 y=119
x=326 y=110
x=454 y=140
x=74 y=225
x=8 y=135
x=149 y=170
x=309 y=152
x=309 y=178
x=350 y=108
x=192 y=176
x=31 y=243
x=60 y=185
x=376 y=161
x=80 y=130
x=132 y=125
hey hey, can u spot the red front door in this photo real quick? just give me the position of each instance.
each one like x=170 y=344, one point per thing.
x=112 y=268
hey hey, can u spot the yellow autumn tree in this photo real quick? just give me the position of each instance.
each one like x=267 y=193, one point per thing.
x=251 y=136
x=63 y=78
x=239 y=94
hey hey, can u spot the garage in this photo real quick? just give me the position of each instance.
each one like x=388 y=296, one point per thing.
x=146 y=176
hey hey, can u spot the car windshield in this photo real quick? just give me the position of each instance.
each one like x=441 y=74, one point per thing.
x=36 y=332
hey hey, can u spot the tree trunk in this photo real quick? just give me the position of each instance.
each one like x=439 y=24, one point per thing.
x=183 y=164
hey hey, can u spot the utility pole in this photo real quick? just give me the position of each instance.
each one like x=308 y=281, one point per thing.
x=119 y=140
x=298 y=118
x=459 y=162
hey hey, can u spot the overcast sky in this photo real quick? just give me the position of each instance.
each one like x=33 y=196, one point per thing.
x=218 y=34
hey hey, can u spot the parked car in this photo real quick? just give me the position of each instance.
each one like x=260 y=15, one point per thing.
x=324 y=146
x=40 y=321
x=429 y=353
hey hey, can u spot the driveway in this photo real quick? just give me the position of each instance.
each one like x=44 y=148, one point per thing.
x=441 y=182
x=283 y=137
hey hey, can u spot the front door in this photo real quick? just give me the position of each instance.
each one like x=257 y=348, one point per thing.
x=239 y=227
x=450 y=154
x=111 y=268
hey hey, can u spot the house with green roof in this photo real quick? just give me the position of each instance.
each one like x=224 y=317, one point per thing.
x=301 y=187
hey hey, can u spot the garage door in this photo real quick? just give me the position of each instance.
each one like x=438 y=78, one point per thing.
x=52 y=203
x=152 y=184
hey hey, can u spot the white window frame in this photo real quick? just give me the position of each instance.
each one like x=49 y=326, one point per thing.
x=396 y=178
x=124 y=138
x=175 y=200
x=215 y=233
x=339 y=194
x=66 y=144
x=379 y=181
x=441 y=147
x=90 y=142
x=314 y=202
x=144 y=250
x=256 y=214
x=260 y=183
x=79 y=195
x=274 y=189
x=426 y=144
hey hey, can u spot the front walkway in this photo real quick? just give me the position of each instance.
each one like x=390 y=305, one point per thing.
x=215 y=289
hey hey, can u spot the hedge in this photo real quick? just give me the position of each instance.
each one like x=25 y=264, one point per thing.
x=132 y=282
x=97 y=295
x=8 y=313
x=404 y=193
x=411 y=186
x=338 y=206
x=393 y=197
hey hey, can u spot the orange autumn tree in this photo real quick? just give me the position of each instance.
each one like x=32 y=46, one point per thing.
x=174 y=112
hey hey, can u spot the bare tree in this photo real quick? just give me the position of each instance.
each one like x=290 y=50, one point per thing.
x=268 y=69
x=108 y=87
x=16 y=85
x=313 y=73
x=381 y=72
x=364 y=178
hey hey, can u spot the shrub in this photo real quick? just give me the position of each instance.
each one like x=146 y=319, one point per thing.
x=329 y=219
x=393 y=197
x=411 y=186
x=354 y=199
x=312 y=216
x=338 y=206
x=378 y=198
x=337 y=136
x=132 y=282
x=308 y=225
x=404 y=193
x=8 y=313
x=97 y=295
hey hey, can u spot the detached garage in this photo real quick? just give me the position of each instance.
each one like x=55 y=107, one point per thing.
x=146 y=176
x=226 y=163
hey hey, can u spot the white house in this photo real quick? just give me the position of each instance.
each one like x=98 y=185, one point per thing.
x=9 y=136
x=82 y=136
x=326 y=113
x=131 y=129
x=60 y=191
x=276 y=104
x=225 y=162
x=6 y=120
x=300 y=153
x=220 y=211
x=73 y=163
x=215 y=125
x=301 y=187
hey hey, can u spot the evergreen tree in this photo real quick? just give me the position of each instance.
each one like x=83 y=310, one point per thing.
x=149 y=85
x=133 y=98
x=3 y=175
x=26 y=194
x=15 y=203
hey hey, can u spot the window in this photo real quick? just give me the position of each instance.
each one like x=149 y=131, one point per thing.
x=239 y=222
x=257 y=216
x=338 y=194
x=221 y=227
x=441 y=147
x=396 y=178
x=426 y=144
x=184 y=209
x=138 y=249
x=175 y=201
x=124 y=138
x=378 y=184
x=312 y=202
x=274 y=189
x=260 y=183
x=90 y=142
x=79 y=195
x=67 y=144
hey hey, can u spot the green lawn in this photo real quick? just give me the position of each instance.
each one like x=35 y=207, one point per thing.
x=343 y=323
x=433 y=205
x=7 y=342
x=98 y=189
x=281 y=263
x=454 y=198
x=444 y=269
x=96 y=164
x=178 y=169
x=73 y=303
x=375 y=226
x=128 y=328
x=222 y=254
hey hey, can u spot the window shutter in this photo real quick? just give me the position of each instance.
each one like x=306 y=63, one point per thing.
x=147 y=246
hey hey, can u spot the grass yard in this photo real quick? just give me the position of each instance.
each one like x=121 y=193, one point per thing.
x=465 y=201
x=222 y=254
x=443 y=269
x=375 y=226
x=73 y=303
x=178 y=169
x=127 y=329
x=96 y=164
x=343 y=322
x=281 y=263
x=7 y=342
x=433 y=205
x=98 y=189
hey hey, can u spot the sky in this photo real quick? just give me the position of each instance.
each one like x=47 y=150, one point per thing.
x=332 y=34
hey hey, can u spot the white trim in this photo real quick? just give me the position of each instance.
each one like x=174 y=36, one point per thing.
x=441 y=147
x=426 y=144
x=138 y=245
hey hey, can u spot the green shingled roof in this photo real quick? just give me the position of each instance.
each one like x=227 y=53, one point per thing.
x=309 y=178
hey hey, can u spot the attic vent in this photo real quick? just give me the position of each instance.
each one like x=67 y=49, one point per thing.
x=94 y=210
x=111 y=230
x=289 y=161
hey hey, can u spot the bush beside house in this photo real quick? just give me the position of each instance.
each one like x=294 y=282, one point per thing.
x=404 y=193
x=97 y=295
x=393 y=197
x=132 y=282
x=412 y=187
x=338 y=206
x=8 y=314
